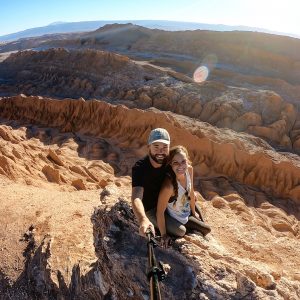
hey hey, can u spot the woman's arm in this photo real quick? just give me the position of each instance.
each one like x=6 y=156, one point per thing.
x=192 y=193
x=165 y=193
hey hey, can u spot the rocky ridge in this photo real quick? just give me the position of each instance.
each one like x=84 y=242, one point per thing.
x=68 y=231
x=243 y=181
x=245 y=158
x=262 y=60
x=117 y=79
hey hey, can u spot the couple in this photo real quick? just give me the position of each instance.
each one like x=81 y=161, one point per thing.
x=162 y=190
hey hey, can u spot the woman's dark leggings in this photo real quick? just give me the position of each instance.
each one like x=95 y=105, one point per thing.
x=196 y=224
x=176 y=228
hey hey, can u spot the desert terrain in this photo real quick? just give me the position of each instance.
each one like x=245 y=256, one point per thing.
x=74 y=121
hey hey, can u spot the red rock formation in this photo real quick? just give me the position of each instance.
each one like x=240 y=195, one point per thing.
x=214 y=151
x=245 y=52
x=61 y=159
x=73 y=249
x=26 y=158
x=120 y=80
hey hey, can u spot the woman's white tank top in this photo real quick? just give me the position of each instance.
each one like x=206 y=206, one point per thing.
x=180 y=208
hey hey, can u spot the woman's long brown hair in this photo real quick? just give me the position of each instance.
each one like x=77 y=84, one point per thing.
x=170 y=173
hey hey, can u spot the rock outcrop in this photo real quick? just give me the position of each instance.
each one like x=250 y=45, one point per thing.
x=83 y=244
x=67 y=228
x=237 y=58
x=242 y=157
x=117 y=79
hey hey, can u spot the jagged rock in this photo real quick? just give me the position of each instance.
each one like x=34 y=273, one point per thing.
x=250 y=199
x=54 y=157
x=78 y=170
x=251 y=193
x=259 y=61
x=103 y=183
x=245 y=287
x=16 y=153
x=4 y=134
x=266 y=281
x=245 y=158
x=79 y=184
x=7 y=167
x=121 y=80
x=218 y=202
x=189 y=105
x=248 y=119
x=52 y=174
x=145 y=100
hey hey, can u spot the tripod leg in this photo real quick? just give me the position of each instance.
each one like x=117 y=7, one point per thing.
x=154 y=286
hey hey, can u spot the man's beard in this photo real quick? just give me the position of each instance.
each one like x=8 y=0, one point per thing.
x=160 y=161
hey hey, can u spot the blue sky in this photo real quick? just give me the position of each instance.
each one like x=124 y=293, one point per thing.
x=278 y=15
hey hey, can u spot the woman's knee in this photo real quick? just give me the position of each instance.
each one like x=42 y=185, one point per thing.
x=178 y=231
x=174 y=227
x=195 y=224
x=181 y=231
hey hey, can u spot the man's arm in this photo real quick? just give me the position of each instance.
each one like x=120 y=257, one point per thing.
x=139 y=210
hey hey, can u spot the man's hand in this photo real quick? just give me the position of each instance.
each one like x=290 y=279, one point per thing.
x=145 y=224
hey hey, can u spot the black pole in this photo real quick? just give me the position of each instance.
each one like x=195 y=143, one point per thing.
x=156 y=272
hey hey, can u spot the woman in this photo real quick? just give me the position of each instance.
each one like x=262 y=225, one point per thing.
x=177 y=196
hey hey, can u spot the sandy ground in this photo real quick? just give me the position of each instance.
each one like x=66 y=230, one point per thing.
x=49 y=212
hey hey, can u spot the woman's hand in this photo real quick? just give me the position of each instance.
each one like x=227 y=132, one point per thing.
x=165 y=241
x=196 y=215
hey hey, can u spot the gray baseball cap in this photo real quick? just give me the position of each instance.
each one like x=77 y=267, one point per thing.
x=159 y=135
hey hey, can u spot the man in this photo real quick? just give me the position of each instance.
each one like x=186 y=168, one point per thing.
x=147 y=177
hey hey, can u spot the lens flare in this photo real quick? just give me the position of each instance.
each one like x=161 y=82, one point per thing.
x=209 y=62
x=201 y=74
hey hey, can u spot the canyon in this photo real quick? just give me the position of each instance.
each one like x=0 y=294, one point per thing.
x=73 y=122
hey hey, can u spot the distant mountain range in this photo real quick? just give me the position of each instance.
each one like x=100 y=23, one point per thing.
x=68 y=27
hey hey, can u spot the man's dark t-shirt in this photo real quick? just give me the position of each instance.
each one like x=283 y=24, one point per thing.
x=150 y=178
